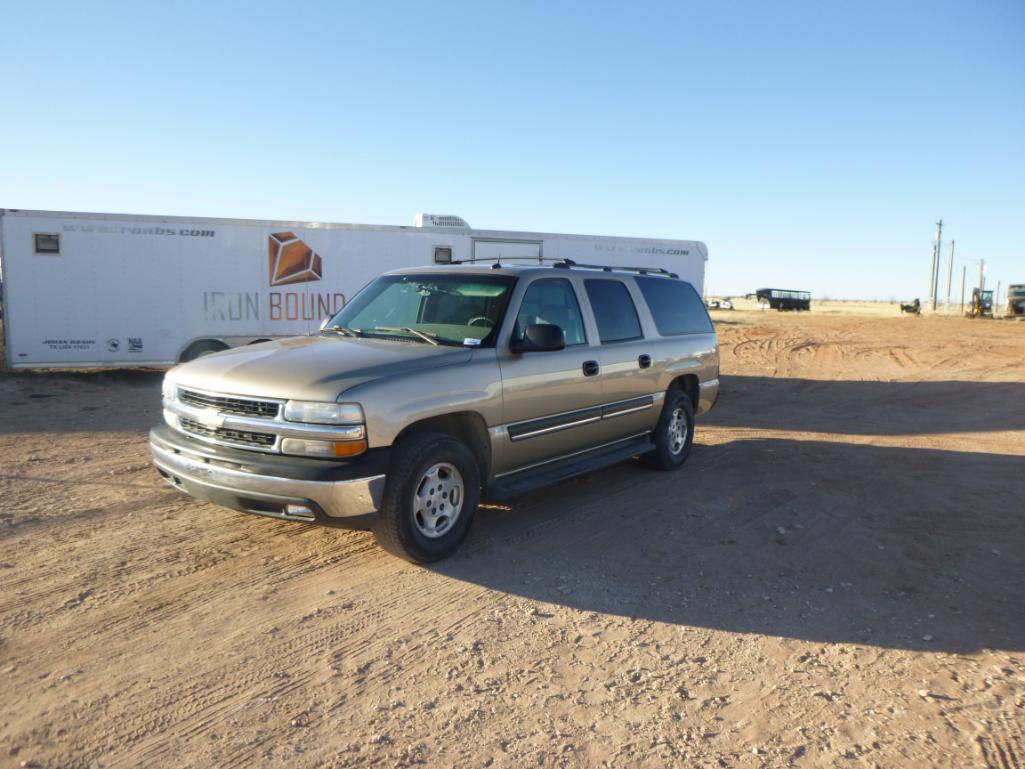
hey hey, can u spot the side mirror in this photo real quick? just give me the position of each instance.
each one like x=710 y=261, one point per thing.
x=540 y=337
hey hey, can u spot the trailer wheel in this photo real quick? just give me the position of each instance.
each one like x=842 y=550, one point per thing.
x=200 y=348
x=430 y=497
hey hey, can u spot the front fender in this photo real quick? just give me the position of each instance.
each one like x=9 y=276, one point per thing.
x=393 y=403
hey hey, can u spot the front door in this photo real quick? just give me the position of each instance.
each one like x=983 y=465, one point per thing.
x=552 y=400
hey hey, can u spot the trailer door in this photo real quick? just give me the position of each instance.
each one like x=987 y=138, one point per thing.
x=489 y=248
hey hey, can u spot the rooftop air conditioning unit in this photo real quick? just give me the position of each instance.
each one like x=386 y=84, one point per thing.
x=440 y=220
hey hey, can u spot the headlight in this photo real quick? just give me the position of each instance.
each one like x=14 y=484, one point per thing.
x=168 y=388
x=318 y=413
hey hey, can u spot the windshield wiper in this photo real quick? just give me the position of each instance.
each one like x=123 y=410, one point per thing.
x=342 y=330
x=429 y=338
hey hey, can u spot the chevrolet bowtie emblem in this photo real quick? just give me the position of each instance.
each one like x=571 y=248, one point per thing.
x=211 y=419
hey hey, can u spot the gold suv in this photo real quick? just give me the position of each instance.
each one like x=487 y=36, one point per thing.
x=437 y=385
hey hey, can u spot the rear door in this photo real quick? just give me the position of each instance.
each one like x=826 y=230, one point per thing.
x=630 y=396
x=552 y=400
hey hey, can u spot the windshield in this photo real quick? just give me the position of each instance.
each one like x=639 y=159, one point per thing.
x=432 y=309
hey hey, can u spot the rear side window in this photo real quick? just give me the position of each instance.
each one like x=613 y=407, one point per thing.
x=675 y=306
x=614 y=310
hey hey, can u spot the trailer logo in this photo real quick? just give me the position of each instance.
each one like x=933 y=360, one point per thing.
x=291 y=260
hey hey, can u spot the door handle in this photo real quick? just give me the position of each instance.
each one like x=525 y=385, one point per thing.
x=590 y=367
x=644 y=361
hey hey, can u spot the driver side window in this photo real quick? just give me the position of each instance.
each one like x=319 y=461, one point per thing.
x=551 y=300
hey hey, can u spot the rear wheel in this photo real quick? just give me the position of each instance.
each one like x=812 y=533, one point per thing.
x=430 y=497
x=674 y=433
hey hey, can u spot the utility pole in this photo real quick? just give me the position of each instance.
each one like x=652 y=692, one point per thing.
x=964 y=274
x=932 y=271
x=935 y=277
x=950 y=273
x=996 y=299
x=982 y=274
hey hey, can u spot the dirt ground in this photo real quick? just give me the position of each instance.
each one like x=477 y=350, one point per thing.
x=836 y=578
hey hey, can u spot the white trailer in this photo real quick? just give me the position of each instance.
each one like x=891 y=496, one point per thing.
x=108 y=290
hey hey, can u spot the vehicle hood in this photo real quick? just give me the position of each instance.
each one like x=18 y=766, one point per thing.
x=310 y=367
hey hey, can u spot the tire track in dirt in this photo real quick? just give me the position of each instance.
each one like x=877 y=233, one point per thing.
x=288 y=570
x=1003 y=747
x=337 y=643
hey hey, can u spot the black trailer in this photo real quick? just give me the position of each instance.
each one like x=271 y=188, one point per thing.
x=784 y=299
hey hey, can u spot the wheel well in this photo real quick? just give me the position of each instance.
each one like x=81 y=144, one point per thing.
x=465 y=426
x=688 y=383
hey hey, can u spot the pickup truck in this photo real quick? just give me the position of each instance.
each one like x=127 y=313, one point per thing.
x=434 y=386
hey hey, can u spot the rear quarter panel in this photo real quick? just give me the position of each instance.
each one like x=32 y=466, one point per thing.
x=679 y=355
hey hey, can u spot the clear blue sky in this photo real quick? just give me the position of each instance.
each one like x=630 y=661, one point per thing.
x=811 y=145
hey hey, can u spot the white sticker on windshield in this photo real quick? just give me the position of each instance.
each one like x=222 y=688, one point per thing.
x=471 y=342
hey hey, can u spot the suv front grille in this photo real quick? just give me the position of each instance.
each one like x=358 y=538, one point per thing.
x=243 y=407
x=238 y=437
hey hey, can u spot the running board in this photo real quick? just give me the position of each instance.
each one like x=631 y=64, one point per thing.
x=514 y=485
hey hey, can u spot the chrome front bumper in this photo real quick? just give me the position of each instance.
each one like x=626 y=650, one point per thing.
x=332 y=503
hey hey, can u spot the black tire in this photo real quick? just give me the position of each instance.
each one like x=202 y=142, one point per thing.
x=201 y=348
x=669 y=454
x=399 y=527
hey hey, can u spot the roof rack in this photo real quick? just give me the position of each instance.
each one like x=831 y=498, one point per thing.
x=538 y=259
x=569 y=263
x=565 y=264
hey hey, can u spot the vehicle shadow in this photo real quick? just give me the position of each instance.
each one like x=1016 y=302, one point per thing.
x=822 y=541
x=868 y=408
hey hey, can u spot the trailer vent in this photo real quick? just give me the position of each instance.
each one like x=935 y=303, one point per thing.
x=440 y=220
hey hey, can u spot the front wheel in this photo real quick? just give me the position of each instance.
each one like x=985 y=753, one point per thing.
x=674 y=433
x=430 y=497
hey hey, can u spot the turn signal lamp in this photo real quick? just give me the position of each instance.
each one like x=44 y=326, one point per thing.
x=333 y=449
